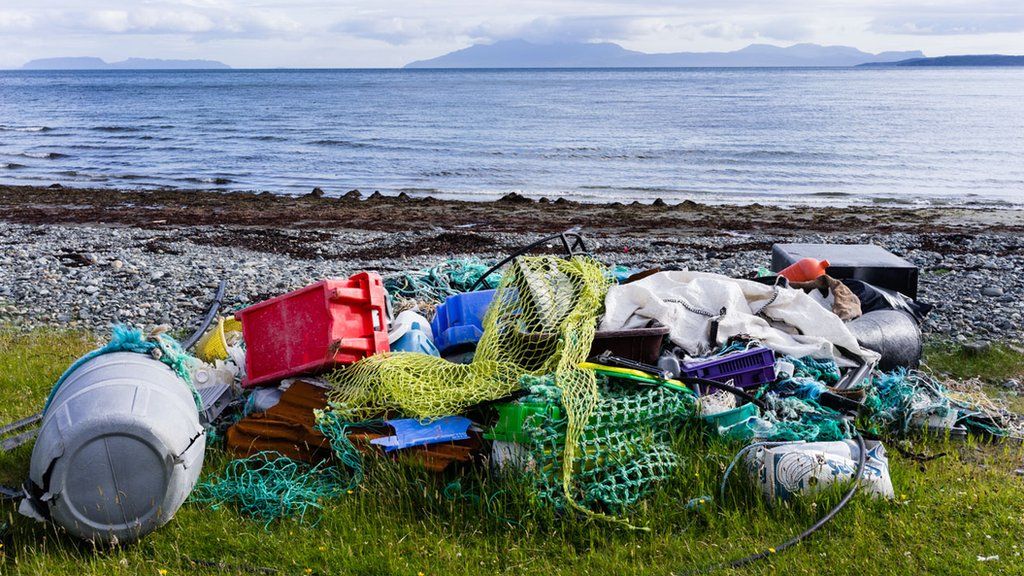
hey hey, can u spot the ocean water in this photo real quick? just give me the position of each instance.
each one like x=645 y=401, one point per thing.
x=792 y=136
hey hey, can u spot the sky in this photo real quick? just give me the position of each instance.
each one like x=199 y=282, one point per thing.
x=391 y=33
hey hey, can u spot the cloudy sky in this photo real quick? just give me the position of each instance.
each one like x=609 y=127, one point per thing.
x=371 y=33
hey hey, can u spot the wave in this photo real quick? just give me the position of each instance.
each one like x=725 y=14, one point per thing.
x=341 y=143
x=12 y=166
x=4 y=128
x=220 y=180
x=116 y=128
x=42 y=155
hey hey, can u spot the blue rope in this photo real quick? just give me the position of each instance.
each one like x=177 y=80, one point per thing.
x=125 y=339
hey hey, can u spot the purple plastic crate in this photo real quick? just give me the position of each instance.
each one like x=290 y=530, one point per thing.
x=746 y=369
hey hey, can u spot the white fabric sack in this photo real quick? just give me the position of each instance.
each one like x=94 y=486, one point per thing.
x=807 y=468
x=799 y=325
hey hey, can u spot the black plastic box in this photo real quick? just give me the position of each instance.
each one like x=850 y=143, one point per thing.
x=867 y=262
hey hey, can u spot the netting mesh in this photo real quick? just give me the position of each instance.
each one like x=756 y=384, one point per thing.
x=542 y=321
x=622 y=451
x=896 y=399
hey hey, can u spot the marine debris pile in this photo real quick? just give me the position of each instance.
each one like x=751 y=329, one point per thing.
x=557 y=368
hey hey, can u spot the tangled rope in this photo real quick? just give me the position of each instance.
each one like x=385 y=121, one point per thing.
x=269 y=486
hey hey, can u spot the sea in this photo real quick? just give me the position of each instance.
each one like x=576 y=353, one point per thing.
x=919 y=136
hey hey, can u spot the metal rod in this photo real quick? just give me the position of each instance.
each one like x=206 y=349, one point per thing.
x=20 y=424
x=15 y=441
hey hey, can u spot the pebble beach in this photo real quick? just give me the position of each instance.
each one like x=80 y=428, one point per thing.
x=81 y=260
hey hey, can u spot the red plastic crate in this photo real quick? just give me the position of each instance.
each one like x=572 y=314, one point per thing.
x=314 y=328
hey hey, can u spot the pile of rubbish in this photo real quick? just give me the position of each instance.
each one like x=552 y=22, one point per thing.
x=576 y=374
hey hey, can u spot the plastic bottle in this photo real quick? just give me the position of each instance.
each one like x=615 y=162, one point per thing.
x=804 y=270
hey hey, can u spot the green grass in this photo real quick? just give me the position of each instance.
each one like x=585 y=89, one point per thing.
x=998 y=363
x=947 y=513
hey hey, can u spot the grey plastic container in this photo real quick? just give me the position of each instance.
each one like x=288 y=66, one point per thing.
x=119 y=450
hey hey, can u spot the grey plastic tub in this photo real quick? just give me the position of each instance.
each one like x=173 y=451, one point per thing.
x=119 y=450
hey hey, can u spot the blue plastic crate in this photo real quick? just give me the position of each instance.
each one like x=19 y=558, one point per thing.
x=459 y=321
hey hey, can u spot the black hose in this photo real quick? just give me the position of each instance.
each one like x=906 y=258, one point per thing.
x=861 y=465
x=577 y=246
x=211 y=313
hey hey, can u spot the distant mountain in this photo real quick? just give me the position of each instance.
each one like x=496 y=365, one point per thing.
x=967 y=60
x=90 y=63
x=523 y=54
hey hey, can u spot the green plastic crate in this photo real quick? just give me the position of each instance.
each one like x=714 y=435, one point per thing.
x=512 y=417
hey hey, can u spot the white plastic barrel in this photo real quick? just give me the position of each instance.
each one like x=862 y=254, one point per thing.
x=119 y=450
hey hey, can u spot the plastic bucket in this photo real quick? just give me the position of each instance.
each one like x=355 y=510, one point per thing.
x=213 y=345
x=119 y=450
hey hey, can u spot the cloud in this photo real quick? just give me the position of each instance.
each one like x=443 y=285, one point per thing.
x=546 y=30
x=562 y=29
x=960 y=24
x=196 y=20
x=15 y=21
x=148 y=21
x=400 y=30
x=396 y=30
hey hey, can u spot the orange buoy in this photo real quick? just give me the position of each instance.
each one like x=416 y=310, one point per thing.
x=804 y=270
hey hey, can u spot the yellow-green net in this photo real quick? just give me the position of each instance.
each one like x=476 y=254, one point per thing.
x=542 y=321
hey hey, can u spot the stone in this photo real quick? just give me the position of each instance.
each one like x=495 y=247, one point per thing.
x=992 y=291
x=977 y=347
x=515 y=198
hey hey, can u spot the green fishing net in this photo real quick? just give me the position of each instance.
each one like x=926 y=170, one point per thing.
x=623 y=449
x=897 y=399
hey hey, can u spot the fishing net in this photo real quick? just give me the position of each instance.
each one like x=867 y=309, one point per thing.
x=623 y=449
x=793 y=419
x=541 y=321
x=336 y=429
x=824 y=371
x=898 y=399
x=810 y=378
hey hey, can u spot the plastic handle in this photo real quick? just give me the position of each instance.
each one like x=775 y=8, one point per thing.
x=348 y=295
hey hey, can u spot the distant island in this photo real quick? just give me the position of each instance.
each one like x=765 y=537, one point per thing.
x=967 y=60
x=91 y=63
x=524 y=54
